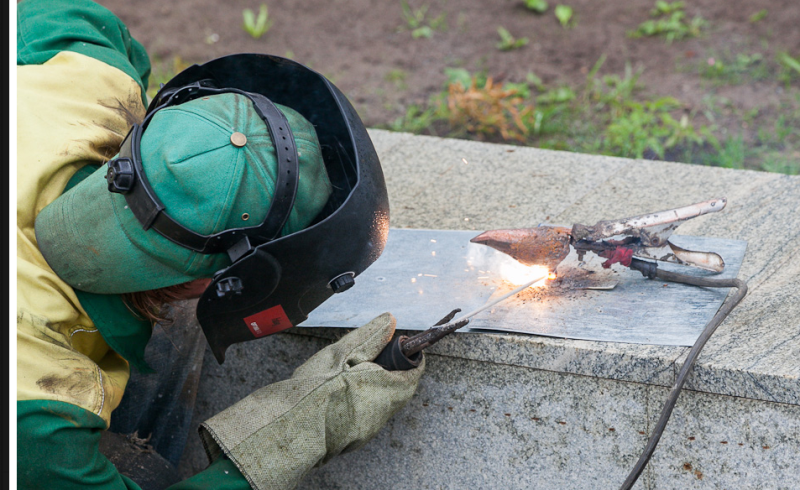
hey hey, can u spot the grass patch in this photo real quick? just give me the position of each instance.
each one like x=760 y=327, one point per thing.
x=669 y=21
x=730 y=153
x=771 y=143
x=417 y=119
x=648 y=126
x=782 y=164
x=398 y=78
x=758 y=16
x=736 y=69
x=605 y=115
x=789 y=71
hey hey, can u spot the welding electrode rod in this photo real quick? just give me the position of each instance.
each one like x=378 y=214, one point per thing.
x=414 y=344
x=649 y=269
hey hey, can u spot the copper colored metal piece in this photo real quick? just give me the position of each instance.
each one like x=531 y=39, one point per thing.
x=645 y=236
x=543 y=245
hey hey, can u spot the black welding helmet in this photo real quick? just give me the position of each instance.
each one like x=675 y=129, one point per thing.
x=274 y=281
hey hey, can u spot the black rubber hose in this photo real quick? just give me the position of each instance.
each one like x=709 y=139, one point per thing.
x=649 y=270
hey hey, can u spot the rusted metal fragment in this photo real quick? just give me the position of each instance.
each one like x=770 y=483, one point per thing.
x=543 y=245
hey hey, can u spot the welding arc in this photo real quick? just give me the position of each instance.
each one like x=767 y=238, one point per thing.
x=650 y=270
x=414 y=344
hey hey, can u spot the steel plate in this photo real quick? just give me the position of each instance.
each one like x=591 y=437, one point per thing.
x=423 y=274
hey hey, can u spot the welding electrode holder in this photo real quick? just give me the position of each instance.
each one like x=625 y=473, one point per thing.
x=409 y=347
x=403 y=353
x=392 y=357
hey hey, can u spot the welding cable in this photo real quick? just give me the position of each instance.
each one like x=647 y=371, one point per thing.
x=650 y=270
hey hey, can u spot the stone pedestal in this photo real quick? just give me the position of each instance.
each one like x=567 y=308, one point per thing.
x=518 y=411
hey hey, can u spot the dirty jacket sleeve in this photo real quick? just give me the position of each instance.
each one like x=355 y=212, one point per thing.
x=81 y=80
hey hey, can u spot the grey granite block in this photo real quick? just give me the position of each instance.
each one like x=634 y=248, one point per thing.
x=644 y=186
x=756 y=352
x=247 y=368
x=384 y=141
x=482 y=425
x=625 y=362
x=766 y=216
x=653 y=364
x=761 y=209
x=458 y=184
x=724 y=442
x=521 y=411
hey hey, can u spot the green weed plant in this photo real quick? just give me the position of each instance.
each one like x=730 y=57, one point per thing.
x=758 y=16
x=509 y=42
x=734 y=70
x=666 y=8
x=256 y=26
x=538 y=6
x=398 y=78
x=789 y=68
x=417 y=119
x=670 y=22
x=419 y=24
x=648 y=126
x=564 y=14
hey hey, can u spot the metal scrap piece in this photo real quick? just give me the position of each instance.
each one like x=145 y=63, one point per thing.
x=645 y=236
x=543 y=245
x=653 y=229
x=709 y=261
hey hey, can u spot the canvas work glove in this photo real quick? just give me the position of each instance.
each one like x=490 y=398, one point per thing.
x=335 y=402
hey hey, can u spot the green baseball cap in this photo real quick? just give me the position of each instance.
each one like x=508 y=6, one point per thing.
x=212 y=163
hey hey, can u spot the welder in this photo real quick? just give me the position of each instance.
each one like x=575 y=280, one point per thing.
x=248 y=183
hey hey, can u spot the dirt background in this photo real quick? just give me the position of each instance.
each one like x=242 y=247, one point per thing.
x=366 y=48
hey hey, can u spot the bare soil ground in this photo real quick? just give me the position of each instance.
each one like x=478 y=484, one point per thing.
x=367 y=48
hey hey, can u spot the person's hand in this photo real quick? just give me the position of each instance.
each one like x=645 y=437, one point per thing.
x=335 y=402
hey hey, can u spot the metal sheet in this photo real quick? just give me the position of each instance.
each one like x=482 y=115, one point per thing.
x=420 y=277
x=423 y=274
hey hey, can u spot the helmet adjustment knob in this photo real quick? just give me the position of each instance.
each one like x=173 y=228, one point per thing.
x=342 y=282
x=229 y=286
x=120 y=176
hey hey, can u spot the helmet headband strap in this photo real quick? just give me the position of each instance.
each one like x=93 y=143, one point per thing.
x=150 y=211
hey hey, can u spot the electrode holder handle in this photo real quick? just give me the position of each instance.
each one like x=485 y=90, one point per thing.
x=392 y=358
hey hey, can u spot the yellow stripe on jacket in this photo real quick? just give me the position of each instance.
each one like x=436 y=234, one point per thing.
x=71 y=111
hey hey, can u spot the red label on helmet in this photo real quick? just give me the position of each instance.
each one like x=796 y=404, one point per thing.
x=268 y=321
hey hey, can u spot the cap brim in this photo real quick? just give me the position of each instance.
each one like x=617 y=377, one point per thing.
x=84 y=241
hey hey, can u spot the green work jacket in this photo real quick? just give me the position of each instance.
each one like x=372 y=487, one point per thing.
x=81 y=82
